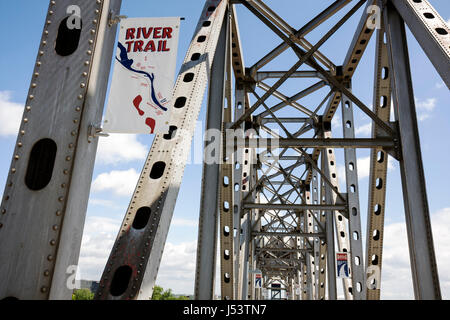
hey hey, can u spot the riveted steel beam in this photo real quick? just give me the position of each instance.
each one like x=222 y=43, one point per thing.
x=47 y=189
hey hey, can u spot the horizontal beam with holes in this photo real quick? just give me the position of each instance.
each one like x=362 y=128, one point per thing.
x=270 y=206
x=287 y=234
x=312 y=143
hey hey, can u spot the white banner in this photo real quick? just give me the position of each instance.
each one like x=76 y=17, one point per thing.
x=144 y=71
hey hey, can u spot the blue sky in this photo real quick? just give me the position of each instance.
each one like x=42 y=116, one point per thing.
x=116 y=169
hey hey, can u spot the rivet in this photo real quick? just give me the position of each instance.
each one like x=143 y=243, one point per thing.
x=80 y=97
x=33 y=85
x=36 y=74
x=38 y=63
x=91 y=41
x=53 y=2
x=82 y=85
x=73 y=133
x=44 y=289
x=68 y=158
x=61 y=199
x=55 y=227
x=78 y=109
x=25 y=120
x=20 y=144
x=58 y=213
x=44 y=42
x=3 y=211
x=70 y=145
x=49 y=22
x=84 y=74
x=31 y=96
x=28 y=108
x=13 y=170
x=46 y=273
x=52 y=242
x=75 y=120
x=89 y=52
x=63 y=185
x=66 y=171
x=92 y=31
x=16 y=157
x=22 y=132
x=86 y=63
x=50 y=257
x=46 y=33
x=94 y=21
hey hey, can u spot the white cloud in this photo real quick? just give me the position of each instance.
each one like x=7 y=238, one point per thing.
x=177 y=269
x=364 y=130
x=98 y=238
x=363 y=166
x=104 y=203
x=336 y=121
x=120 y=148
x=184 y=222
x=121 y=183
x=440 y=85
x=10 y=115
x=396 y=281
x=424 y=108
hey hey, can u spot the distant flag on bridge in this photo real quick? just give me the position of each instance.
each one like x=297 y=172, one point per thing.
x=144 y=70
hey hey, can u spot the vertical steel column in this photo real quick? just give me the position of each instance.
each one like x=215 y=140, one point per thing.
x=327 y=198
x=420 y=239
x=208 y=219
x=302 y=245
x=354 y=217
x=247 y=183
x=378 y=171
x=340 y=220
x=133 y=264
x=317 y=226
x=240 y=185
x=45 y=199
x=309 y=255
x=226 y=204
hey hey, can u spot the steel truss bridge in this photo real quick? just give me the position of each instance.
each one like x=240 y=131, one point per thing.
x=279 y=208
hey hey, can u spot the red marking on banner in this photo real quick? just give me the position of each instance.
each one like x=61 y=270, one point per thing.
x=151 y=123
x=144 y=85
x=137 y=102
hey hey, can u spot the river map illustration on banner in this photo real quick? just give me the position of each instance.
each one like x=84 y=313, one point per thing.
x=144 y=70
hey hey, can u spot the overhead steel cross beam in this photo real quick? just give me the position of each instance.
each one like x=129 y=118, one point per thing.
x=303 y=56
x=307 y=28
x=307 y=57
